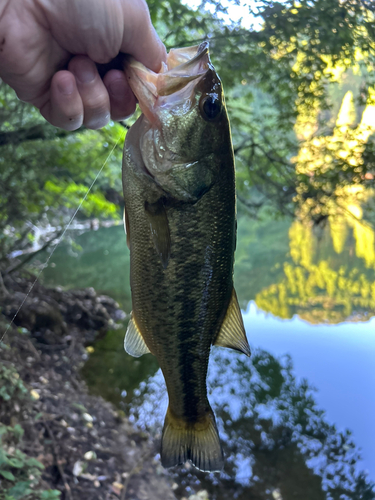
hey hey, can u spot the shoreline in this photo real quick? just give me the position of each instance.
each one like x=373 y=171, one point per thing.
x=88 y=449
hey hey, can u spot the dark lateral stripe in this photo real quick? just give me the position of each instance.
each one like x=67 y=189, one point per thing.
x=188 y=276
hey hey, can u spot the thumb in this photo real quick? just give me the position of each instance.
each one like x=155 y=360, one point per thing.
x=140 y=38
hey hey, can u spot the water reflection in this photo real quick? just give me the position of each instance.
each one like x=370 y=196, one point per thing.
x=275 y=438
x=96 y=258
x=337 y=359
x=322 y=279
x=111 y=373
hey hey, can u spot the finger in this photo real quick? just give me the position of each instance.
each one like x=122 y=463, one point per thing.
x=140 y=38
x=93 y=92
x=121 y=97
x=64 y=108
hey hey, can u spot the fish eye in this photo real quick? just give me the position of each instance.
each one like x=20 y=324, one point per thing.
x=211 y=107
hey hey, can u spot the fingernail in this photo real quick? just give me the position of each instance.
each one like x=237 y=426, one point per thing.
x=74 y=122
x=117 y=88
x=85 y=72
x=66 y=87
x=98 y=122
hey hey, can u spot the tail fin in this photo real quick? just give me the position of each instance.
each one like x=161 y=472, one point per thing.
x=198 y=442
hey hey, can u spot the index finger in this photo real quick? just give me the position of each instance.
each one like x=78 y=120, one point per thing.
x=139 y=37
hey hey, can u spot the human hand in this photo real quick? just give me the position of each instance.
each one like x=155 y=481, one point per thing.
x=48 y=51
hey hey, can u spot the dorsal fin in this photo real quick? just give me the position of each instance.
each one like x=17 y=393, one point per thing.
x=159 y=226
x=134 y=343
x=232 y=333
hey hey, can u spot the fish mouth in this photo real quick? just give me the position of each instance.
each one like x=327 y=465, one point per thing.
x=174 y=83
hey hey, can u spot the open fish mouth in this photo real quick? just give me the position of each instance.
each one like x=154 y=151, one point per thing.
x=173 y=84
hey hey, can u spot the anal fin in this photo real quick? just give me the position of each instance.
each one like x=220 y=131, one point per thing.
x=134 y=343
x=232 y=333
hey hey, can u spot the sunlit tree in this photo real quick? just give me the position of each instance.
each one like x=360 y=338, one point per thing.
x=322 y=288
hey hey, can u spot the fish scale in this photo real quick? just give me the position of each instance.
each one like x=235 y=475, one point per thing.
x=171 y=316
x=181 y=225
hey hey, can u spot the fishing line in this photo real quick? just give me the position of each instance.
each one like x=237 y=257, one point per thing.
x=59 y=241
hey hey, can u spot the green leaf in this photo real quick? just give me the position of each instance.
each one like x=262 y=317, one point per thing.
x=3 y=457
x=15 y=462
x=18 y=431
x=4 y=394
x=8 y=475
x=33 y=462
x=20 y=490
x=50 y=495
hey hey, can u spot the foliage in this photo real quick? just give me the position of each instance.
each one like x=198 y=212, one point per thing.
x=20 y=474
x=278 y=80
x=45 y=174
x=336 y=170
x=299 y=38
x=11 y=386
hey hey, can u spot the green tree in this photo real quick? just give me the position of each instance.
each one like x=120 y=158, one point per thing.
x=45 y=173
x=278 y=82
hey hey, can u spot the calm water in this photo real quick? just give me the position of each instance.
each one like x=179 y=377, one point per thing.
x=297 y=419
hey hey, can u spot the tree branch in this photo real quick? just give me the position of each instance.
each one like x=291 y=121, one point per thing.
x=31 y=255
x=3 y=291
x=33 y=133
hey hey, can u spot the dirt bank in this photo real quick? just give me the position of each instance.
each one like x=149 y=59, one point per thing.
x=87 y=449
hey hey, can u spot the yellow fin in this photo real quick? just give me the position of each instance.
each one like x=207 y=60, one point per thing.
x=134 y=343
x=195 y=441
x=232 y=333
x=159 y=226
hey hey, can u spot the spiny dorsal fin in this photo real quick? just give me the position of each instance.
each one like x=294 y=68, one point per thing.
x=134 y=343
x=159 y=226
x=232 y=333
x=127 y=227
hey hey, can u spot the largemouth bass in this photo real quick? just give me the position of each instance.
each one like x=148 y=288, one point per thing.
x=179 y=189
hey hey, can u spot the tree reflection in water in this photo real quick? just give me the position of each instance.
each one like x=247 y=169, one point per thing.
x=330 y=278
x=277 y=443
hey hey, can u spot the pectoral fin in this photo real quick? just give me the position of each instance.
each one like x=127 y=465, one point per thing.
x=134 y=343
x=232 y=333
x=127 y=227
x=159 y=226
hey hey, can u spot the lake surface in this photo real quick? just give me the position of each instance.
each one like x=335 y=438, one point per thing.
x=297 y=419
